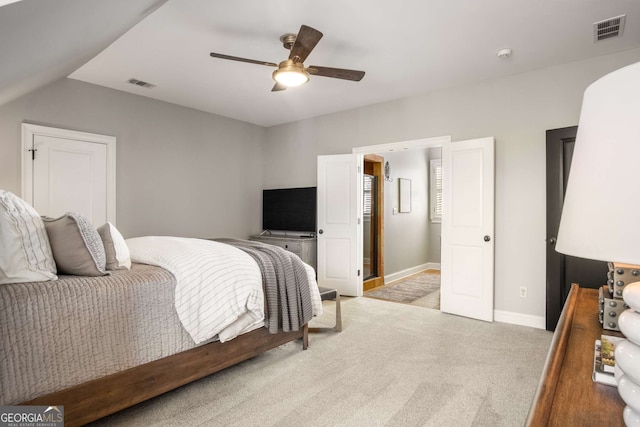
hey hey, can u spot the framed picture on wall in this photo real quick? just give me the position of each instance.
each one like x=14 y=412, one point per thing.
x=405 y=194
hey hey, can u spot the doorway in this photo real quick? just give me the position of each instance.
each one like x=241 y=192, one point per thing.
x=396 y=256
x=373 y=222
x=340 y=227
x=563 y=270
x=69 y=171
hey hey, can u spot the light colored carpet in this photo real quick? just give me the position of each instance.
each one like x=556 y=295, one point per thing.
x=393 y=365
x=421 y=289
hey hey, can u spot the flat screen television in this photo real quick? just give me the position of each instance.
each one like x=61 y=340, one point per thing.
x=289 y=209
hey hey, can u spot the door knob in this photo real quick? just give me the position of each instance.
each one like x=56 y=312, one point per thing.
x=552 y=241
x=487 y=238
x=320 y=231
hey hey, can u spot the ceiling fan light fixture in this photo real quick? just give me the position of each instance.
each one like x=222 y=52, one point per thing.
x=291 y=74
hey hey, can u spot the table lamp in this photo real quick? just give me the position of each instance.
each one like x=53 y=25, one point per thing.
x=601 y=213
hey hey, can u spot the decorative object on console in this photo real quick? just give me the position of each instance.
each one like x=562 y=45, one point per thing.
x=630 y=319
x=608 y=347
x=610 y=309
x=600 y=213
x=599 y=375
x=620 y=275
x=628 y=352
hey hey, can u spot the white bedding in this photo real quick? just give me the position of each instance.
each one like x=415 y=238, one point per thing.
x=219 y=287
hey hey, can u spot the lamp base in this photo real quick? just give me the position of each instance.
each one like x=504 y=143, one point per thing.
x=628 y=354
x=631 y=417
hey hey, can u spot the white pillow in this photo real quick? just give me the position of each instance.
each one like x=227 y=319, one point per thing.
x=116 y=249
x=25 y=252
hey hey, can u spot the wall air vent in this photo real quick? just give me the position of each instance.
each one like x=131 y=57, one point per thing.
x=141 y=83
x=608 y=28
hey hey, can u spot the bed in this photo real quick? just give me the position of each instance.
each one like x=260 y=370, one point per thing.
x=97 y=344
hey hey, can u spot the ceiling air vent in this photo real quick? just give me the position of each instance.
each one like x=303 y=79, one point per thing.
x=141 y=83
x=608 y=28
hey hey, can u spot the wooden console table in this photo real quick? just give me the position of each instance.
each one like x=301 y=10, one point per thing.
x=566 y=395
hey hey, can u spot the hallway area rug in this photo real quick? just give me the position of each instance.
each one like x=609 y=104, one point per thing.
x=422 y=289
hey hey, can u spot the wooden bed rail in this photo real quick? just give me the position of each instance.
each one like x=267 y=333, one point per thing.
x=104 y=396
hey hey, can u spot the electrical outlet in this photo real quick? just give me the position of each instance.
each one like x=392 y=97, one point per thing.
x=523 y=291
x=395 y=211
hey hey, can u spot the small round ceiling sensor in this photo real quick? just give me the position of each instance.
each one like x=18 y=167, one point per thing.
x=504 y=53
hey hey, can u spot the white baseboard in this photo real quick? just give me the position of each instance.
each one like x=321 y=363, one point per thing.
x=519 y=319
x=388 y=278
x=510 y=317
x=433 y=266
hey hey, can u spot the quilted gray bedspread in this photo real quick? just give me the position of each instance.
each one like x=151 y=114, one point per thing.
x=95 y=326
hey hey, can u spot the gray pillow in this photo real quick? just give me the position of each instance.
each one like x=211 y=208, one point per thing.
x=76 y=245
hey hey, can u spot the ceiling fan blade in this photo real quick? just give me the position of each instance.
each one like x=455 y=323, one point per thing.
x=235 y=58
x=336 y=73
x=306 y=40
x=278 y=87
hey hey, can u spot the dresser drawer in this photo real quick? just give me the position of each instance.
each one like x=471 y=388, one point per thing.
x=295 y=247
x=305 y=248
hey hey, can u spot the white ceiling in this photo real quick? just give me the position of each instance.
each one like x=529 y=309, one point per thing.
x=42 y=41
x=406 y=47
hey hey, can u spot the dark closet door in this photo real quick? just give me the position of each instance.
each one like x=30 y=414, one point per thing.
x=562 y=270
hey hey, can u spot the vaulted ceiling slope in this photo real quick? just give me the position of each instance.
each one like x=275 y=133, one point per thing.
x=42 y=41
x=405 y=48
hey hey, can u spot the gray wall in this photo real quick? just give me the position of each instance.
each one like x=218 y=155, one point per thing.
x=179 y=171
x=406 y=234
x=516 y=110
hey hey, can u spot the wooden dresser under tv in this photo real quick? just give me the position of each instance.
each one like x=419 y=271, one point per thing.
x=304 y=247
x=566 y=395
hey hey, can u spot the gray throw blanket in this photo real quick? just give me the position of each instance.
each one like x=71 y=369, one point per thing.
x=285 y=283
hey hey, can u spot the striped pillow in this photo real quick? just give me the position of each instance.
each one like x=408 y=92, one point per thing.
x=76 y=245
x=25 y=252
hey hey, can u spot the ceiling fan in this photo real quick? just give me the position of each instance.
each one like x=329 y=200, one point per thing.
x=292 y=71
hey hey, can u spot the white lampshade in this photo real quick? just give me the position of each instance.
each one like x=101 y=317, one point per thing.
x=601 y=212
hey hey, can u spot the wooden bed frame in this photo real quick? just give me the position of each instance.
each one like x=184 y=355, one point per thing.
x=104 y=396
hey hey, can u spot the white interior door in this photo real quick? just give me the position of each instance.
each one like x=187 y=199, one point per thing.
x=467 y=275
x=69 y=171
x=339 y=224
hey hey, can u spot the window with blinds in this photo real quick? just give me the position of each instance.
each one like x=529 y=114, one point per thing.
x=368 y=195
x=435 y=190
